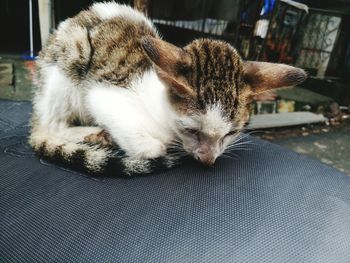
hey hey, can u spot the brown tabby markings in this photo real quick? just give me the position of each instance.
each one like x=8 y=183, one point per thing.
x=216 y=74
x=119 y=57
x=99 y=55
x=102 y=139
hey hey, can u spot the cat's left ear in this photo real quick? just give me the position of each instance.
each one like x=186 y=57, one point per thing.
x=264 y=76
x=173 y=63
x=169 y=58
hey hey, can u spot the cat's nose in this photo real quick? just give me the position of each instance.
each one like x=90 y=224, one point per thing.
x=206 y=159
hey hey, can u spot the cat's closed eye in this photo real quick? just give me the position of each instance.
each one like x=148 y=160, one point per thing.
x=230 y=133
x=192 y=131
x=228 y=136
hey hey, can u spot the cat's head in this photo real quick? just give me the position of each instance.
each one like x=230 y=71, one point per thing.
x=210 y=88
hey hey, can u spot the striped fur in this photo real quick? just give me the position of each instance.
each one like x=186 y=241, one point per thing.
x=93 y=157
x=58 y=147
x=217 y=76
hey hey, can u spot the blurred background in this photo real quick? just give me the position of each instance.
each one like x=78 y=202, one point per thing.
x=312 y=119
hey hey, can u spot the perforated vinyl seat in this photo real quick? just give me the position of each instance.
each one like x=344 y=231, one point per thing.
x=272 y=205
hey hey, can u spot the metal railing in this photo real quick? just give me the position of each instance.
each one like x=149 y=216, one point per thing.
x=313 y=39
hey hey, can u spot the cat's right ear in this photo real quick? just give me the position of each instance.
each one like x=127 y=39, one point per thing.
x=169 y=58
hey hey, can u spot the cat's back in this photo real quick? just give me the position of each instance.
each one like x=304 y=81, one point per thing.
x=102 y=43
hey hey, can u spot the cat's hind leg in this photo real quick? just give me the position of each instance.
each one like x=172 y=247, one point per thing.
x=57 y=103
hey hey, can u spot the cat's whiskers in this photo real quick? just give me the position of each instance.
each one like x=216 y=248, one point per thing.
x=177 y=155
x=239 y=140
x=176 y=150
x=175 y=147
x=232 y=156
x=242 y=142
x=176 y=143
x=244 y=133
x=239 y=144
x=240 y=149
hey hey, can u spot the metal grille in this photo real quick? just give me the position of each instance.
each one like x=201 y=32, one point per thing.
x=319 y=36
x=239 y=31
x=313 y=39
x=206 y=25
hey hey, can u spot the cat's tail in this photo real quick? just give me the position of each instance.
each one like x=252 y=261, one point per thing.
x=68 y=148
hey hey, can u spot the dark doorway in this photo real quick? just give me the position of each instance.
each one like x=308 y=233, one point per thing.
x=14 y=26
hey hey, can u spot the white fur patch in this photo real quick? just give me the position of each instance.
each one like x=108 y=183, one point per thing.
x=136 y=166
x=139 y=118
x=64 y=25
x=111 y=9
x=59 y=100
x=213 y=122
x=96 y=158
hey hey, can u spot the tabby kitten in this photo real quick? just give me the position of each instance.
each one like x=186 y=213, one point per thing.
x=105 y=79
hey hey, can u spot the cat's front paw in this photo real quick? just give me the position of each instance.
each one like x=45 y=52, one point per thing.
x=150 y=149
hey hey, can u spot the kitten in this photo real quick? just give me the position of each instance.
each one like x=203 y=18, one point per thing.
x=106 y=78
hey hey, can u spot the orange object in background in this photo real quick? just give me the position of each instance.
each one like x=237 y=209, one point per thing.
x=31 y=68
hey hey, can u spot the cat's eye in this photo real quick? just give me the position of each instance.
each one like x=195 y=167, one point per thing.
x=230 y=133
x=192 y=131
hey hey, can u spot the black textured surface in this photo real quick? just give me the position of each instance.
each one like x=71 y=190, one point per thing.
x=271 y=205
